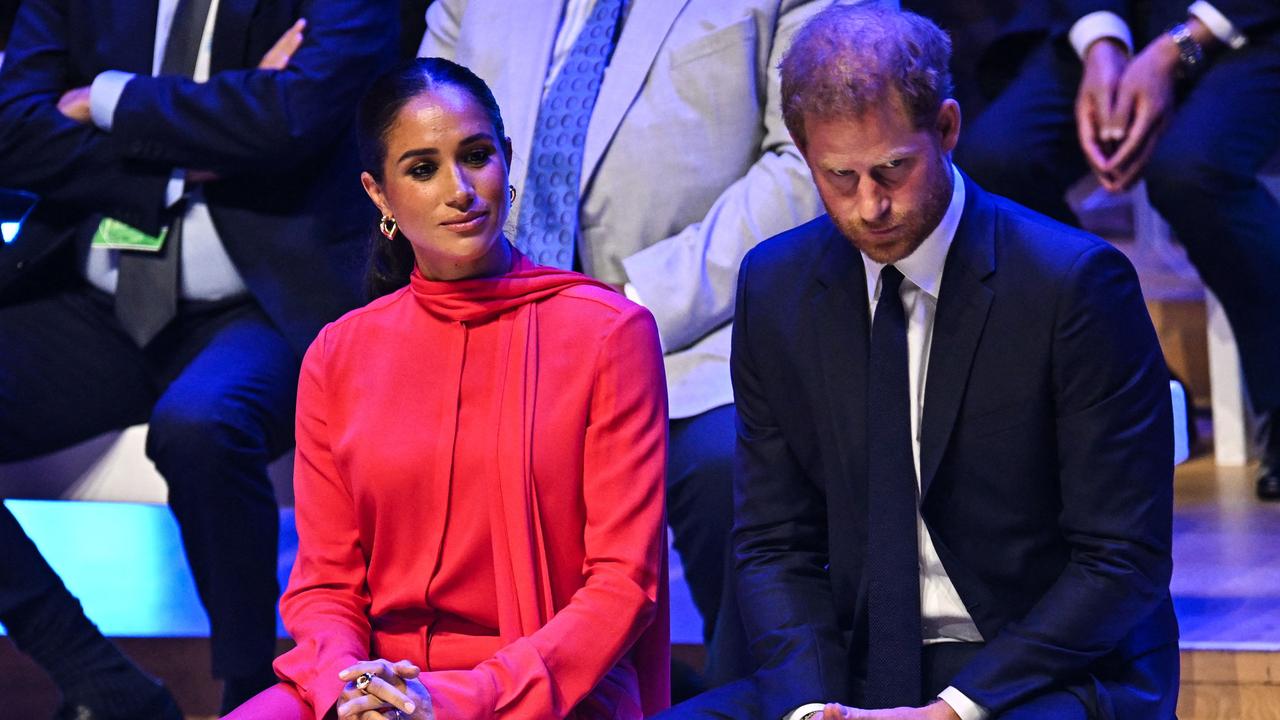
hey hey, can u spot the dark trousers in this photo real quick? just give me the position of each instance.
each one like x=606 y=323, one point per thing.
x=700 y=510
x=741 y=700
x=24 y=575
x=217 y=387
x=1202 y=178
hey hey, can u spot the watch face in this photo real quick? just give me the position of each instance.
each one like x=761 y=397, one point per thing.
x=15 y=207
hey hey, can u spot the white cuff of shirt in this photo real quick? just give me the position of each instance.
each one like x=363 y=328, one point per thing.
x=804 y=710
x=104 y=95
x=964 y=707
x=1096 y=26
x=1218 y=24
x=632 y=294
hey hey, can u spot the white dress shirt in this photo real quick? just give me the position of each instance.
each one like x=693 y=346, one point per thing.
x=1103 y=24
x=574 y=18
x=206 y=271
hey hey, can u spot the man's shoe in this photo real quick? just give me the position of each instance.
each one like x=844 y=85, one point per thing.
x=1269 y=443
x=161 y=707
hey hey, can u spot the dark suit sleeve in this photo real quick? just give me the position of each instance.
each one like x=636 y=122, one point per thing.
x=250 y=120
x=70 y=165
x=1115 y=469
x=1069 y=11
x=780 y=540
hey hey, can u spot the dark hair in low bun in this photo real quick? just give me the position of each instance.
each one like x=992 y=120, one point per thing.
x=391 y=261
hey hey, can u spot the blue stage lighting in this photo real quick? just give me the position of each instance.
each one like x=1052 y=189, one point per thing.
x=15 y=207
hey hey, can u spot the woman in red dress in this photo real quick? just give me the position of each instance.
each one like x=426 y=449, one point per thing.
x=480 y=457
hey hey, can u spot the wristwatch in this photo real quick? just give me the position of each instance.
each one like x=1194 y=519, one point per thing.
x=1190 y=54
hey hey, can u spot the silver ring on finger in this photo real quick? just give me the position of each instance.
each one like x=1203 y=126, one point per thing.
x=362 y=682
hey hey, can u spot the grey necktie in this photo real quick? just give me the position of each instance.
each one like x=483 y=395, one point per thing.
x=147 y=288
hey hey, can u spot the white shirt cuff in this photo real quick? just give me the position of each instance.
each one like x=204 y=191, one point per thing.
x=1218 y=24
x=176 y=188
x=804 y=710
x=964 y=707
x=104 y=95
x=1096 y=26
x=632 y=294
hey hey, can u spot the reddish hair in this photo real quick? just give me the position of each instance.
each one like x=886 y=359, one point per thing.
x=850 y=58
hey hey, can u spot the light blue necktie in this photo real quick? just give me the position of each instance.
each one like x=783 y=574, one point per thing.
x=548 y=223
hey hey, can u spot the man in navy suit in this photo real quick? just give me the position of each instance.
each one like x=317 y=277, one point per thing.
x=954 y=479
x=200 y=219
x=1184 y=95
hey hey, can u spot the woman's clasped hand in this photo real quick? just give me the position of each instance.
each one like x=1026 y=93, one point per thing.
x=383 y=690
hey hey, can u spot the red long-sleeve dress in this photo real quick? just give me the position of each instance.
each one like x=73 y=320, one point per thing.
x=479 y=489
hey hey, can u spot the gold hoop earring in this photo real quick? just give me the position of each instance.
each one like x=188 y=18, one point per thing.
x=513 y=192
x=388 y=227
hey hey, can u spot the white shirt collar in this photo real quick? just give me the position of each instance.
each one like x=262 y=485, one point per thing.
x=924 y=266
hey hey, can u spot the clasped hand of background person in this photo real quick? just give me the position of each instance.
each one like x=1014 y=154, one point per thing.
x=1123 y=106
x=936 y=710
x=393 y=693
x=74 y=103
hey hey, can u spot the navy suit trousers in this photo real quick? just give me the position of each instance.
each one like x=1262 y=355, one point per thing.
x=217 y=387
x=741 y=700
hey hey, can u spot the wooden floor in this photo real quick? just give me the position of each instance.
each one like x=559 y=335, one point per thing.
x=1224 y=685
x=1226 y=579
x=1226 y=587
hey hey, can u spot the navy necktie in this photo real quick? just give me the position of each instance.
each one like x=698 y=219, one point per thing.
x=893 y=558
x=548 y=224
x=147 y=286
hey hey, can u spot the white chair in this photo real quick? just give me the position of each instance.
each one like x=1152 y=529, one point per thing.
x=1232 y=420
x=111 y=467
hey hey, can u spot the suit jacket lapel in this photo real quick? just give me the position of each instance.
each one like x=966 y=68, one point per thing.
x=529 y=34
x=963 y=303
x=231 y=34
x=841 y=328
x=646 y=27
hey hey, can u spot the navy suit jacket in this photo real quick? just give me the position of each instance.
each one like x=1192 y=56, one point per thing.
x=288 y=207
x=1046 y=464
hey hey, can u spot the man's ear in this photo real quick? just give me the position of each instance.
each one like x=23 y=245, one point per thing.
x=948 y=124
x=374 y=192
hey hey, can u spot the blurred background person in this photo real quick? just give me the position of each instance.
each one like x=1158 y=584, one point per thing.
x=1185 y=96
x=197 y=225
